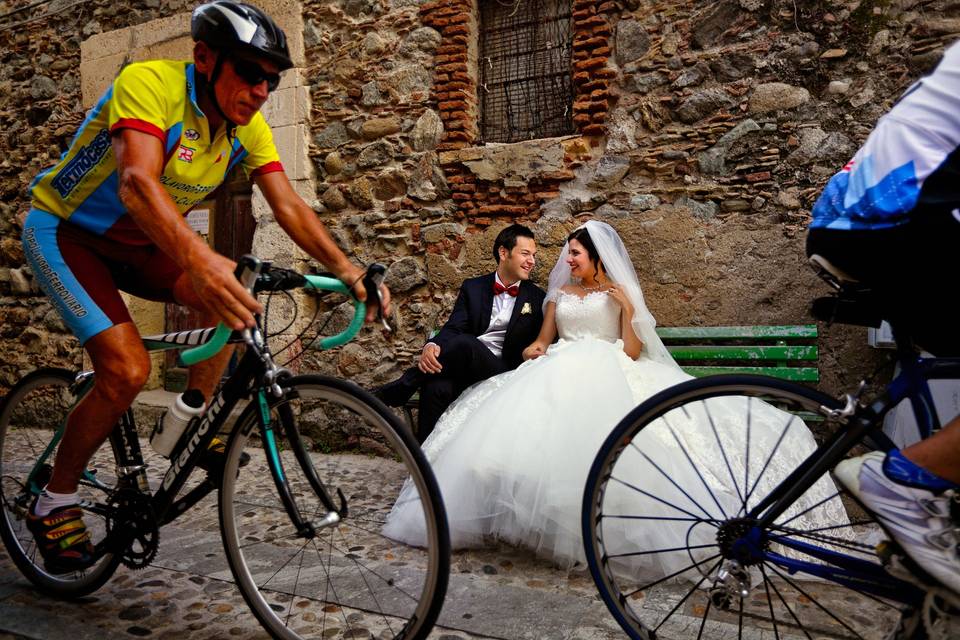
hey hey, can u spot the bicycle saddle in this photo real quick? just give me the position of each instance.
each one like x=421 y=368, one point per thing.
x=853 y=302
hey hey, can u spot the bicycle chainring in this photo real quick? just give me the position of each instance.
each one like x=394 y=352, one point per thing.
x=137 y=532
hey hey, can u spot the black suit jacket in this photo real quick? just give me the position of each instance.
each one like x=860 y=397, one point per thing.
x=471 y=315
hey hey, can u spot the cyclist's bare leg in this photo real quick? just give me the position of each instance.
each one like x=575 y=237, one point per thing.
x=939 y=453
x=122 y=366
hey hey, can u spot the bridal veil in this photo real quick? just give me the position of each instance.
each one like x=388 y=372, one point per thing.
x=618 y=266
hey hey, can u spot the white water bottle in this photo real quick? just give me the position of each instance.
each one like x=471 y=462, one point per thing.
x=171 y=424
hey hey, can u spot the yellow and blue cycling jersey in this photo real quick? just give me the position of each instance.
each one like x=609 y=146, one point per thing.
x=158 y=98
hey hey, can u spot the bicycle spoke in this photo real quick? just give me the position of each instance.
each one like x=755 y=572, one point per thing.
x=672 y=575
x=746 y=460
x=283 y=566
x=810 y=508
x=812 y=599
x=773 y=452
x=766 y=587
x=674 y=483
x=703 y=620
x=296 y=585
x=712 y=522
x=723 y=452
x=740 y=621
x=689 y=593
x=372 y=592
x=633 y=554
x=386 y=581
x=653 y=497
x=696 y=470
x=784 y=601
x=329 y=583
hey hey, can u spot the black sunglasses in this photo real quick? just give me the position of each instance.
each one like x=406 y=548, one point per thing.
x=253 y=74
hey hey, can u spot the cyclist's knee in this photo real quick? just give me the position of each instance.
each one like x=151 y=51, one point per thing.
x=121 y=381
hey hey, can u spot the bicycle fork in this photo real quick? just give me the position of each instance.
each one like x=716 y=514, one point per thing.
x=305 y=528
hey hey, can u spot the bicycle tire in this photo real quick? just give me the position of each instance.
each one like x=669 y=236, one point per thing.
x=45 y=397
x=654 y=602
x=371 y=582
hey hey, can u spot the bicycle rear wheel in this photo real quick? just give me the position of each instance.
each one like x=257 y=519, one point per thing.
x=349 y=580
x=32 y=416
x=662 y=521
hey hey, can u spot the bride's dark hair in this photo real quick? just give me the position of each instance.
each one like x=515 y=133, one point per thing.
x=582 y=236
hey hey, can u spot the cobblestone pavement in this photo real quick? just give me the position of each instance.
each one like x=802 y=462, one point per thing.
x=499 y=592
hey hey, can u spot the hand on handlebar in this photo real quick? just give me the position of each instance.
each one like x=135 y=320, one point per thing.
x=363 y=282
x=215 y=284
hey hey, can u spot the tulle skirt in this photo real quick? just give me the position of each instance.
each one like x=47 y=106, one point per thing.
x=513 y=453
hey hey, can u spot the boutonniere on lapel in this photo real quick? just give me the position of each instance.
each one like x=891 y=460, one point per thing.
x=526 y=309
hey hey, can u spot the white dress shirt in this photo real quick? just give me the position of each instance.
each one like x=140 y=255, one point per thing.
x=499 y=319
x=500 y=314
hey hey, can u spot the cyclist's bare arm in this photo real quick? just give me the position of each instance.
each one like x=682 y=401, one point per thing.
x=139 y=166
x=300 y=222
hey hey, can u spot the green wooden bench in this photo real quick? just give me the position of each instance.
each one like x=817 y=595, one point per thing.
x=788 y=352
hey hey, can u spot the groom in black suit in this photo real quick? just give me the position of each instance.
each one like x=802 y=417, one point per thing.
x=495 y=317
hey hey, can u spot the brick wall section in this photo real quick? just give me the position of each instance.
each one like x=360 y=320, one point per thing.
x=454 y=87
x=455 y=93
x=591 y=73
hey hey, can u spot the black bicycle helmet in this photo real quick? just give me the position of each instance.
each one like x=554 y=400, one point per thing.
x=228 y=26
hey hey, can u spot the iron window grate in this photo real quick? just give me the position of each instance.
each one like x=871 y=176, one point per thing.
x=526 y=89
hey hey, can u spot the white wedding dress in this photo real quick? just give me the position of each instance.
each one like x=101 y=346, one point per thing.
x=512 y=454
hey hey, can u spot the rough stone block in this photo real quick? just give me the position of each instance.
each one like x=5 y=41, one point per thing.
x=293 y=145
x=287 y=106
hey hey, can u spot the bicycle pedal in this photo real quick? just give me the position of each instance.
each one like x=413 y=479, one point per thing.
x=898 y=564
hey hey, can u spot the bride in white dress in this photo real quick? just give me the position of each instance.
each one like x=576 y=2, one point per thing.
x=512 y=454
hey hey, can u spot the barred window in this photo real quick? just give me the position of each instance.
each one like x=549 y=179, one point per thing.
x=526 y=89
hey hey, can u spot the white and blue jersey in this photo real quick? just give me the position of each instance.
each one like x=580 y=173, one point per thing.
x=909 y=163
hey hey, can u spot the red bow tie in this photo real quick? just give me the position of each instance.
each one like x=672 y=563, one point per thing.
x=512 y=290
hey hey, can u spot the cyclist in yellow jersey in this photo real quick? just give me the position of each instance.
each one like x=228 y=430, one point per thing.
x=110 y=216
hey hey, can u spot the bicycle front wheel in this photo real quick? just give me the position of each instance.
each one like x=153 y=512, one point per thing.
x=671 y=534
x=348 y=580
x=32 y=417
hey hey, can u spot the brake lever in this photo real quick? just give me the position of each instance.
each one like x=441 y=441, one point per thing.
x=371 y=282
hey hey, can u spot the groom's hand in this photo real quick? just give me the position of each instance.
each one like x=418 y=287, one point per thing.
x=534 y=351
x=429 y=362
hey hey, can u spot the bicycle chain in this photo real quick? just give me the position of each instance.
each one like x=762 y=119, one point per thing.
x=825 y=538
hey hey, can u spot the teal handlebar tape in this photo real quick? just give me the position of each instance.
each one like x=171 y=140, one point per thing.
x=359 y=311
x=222 y=333
x=208 y=349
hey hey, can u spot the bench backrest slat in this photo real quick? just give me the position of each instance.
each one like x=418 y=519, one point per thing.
x=788 y=352
x=797 y=374
x=676 y=334
x=745 y=352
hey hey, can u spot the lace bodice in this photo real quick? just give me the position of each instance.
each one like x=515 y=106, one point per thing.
x=596 y=315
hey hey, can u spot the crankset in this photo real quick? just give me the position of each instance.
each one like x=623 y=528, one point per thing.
x=132 y=527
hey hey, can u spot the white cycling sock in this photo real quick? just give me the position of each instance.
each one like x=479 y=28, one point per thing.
x=48 y=501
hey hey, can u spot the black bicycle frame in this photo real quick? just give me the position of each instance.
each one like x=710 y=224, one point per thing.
x=242 y=384
x=866 y=423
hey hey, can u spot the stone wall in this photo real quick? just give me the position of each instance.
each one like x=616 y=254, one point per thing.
x=715 y=126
